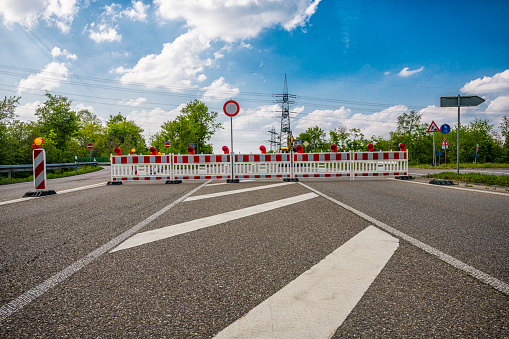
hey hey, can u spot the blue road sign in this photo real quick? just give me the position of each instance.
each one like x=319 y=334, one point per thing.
x=445 y=129
x=439 y=152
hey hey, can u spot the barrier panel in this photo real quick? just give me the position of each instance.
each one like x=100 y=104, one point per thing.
x=186 y=167
x=321 y=165
x=367 y=164
x=286 y=166
x=141 y=167
x=262 y=166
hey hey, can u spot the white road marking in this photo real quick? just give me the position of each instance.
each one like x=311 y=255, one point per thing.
x=316 y=303
x=472 y=271
x=454 y=187
x=225 y=183
x=242 y=190
x=58 y=192
x=27 y=297
x=193 y=225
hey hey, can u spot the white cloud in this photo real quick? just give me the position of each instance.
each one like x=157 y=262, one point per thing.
x=231 y=20
x=59 y=13
x=179 y=64
x=152 y=120
x=138 y=12
x=220 y=90
x=497 y=83
x=133 y=102
x=81 y=107
x=405 y=72
x=27 y=111
x=49 y=78
x=377 y=124
x=104 y=32
x=56 y=52
x=325 y=119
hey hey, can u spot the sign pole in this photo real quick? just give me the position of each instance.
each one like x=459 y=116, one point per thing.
x=434 y=157
x=458 y=141
x=231 y=108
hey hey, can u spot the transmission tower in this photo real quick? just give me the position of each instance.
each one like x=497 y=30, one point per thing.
x=285 y=101
x=274 y=143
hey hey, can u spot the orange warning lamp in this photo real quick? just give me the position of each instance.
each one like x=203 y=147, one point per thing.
x=37 y=143
x=133 y=150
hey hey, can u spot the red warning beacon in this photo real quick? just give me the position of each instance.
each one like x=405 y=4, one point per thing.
x=334 y=148
x=263 y=149
x=118 y=151
x=371 y=148
x=190 y=149
x=226 y=150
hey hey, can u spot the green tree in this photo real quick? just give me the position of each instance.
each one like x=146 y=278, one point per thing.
x=412 y=132
x=58 y=125
x=356 y=141
x=316 y=138
x=125 y=134
x=339 y=136
x=195 y=125
x=7 y=108
x=91 y=130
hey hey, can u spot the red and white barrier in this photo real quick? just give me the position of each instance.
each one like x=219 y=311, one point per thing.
x=141 y=167
x=374 y=164
x=259 y=166
x=322 y=165
x=262 y=166
x=213 y=166
x=40 y=169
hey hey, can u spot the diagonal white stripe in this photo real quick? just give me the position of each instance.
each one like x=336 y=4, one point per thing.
x=316 y=303
x=171 y=231
x=243 y=190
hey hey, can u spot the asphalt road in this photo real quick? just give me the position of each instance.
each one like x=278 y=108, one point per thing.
x=60 y=278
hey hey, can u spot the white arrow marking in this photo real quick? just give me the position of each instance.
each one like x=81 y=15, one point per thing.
x=193 y=225
x=316 y=303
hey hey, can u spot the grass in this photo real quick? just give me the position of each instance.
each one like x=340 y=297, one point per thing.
x=50 y=175
x=487 y=179
x=462 y=165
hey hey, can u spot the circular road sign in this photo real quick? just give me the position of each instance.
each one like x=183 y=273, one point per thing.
x=445 y=129
x=90 y=145
x=167 y=144
x=231 y=108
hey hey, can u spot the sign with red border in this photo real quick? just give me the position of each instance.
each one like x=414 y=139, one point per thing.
x=433 y=128
x=231 y=108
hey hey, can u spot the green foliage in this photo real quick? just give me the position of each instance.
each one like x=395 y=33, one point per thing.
x=195 y=125
x=124 y=134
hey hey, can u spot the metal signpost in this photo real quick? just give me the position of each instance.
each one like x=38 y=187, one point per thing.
x=458 y=101
x=90 y=145
x=433 y=128
x=231 y=108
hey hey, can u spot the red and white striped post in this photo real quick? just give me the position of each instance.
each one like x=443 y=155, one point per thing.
x=40 y=169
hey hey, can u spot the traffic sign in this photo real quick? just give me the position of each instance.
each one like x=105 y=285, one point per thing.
x=470 y=100
x=445 y=143
x=167 y=144
x=445 y=129
x=439 y=152
x=306 y=143
x=90 y=145
x=433 y=128
x=231 y=108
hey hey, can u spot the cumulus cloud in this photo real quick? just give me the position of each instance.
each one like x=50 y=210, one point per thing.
x=103 y=32
x=219 y=90
x=27 y=13
x=51 y=77
x=406 y=72
x=497 y=83
x=325 y=119
x=179 y=64
x=236 y=20
x=151 y=120
x=57 y=52
x=376 y=124
x=133 y=102
x=138 y=12
x=27 y=111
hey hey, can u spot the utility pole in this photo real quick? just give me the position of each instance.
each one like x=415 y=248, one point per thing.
x=273 y=139
x=285 y=101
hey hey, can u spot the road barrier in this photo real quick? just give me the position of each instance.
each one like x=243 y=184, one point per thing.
x=287 y=166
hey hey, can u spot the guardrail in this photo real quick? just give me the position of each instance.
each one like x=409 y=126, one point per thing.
x=30 y=167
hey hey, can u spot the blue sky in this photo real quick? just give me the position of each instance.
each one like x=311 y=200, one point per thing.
x=353 y=63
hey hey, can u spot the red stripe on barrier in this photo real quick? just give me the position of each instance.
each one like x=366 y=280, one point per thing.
x=135 y=159
x=386 y=156
x=123 y=160
x=39 y=169
x=327 y=156
x=279 y=157
x=327 y=175
x=316 y=157
x=41 y=186
x=404 y=157
x=159 y=178
x=365 y=156
x=124 y=179
x=208 y=177
x=158 y=159
x=257 y=158
x=385 y=174
x=185 y=160
x=396 y=155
